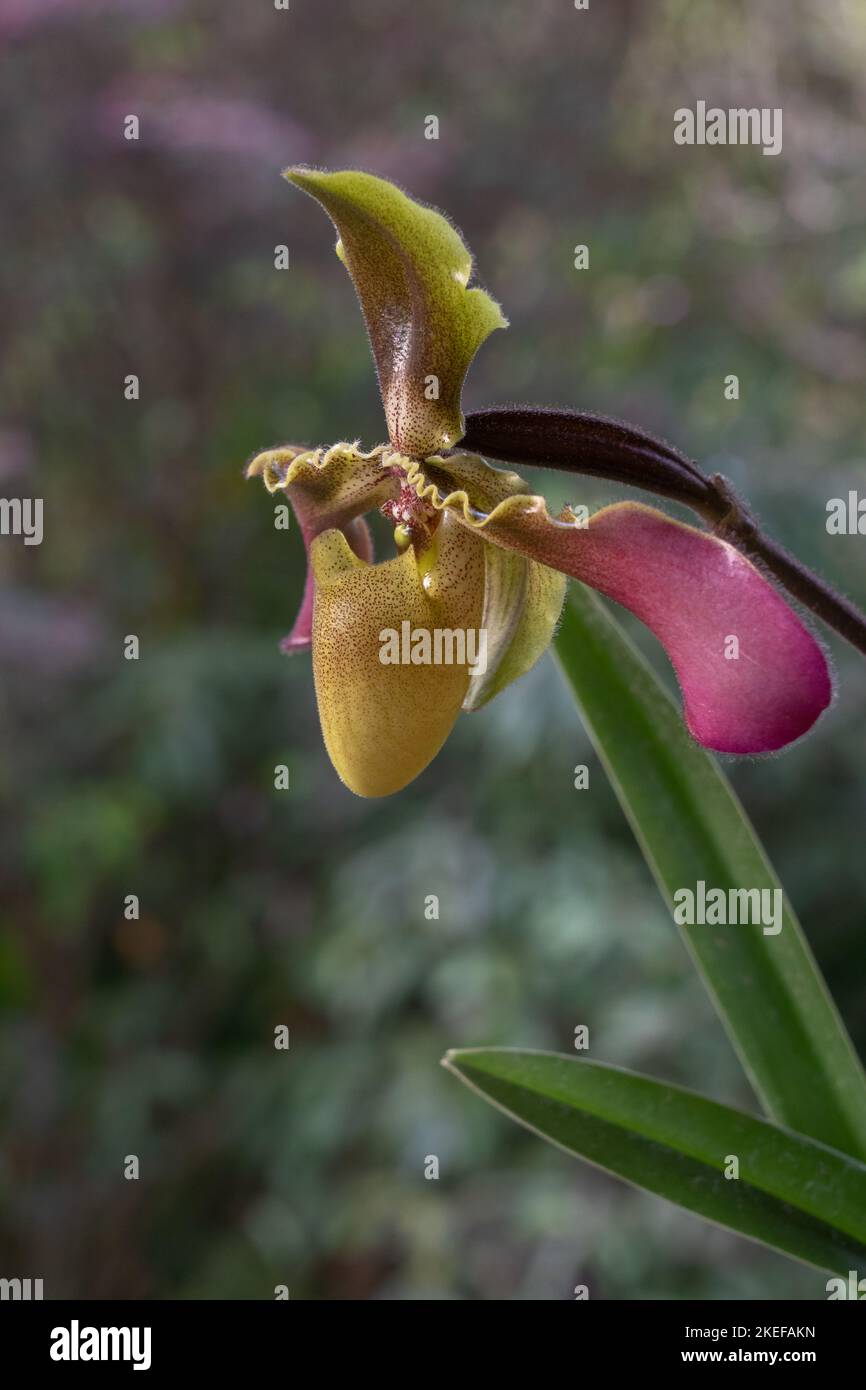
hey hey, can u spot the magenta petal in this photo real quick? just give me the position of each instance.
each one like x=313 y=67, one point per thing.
x=704 y=601
x=301 y=635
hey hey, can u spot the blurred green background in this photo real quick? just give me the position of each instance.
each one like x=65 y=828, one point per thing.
x=306 y=907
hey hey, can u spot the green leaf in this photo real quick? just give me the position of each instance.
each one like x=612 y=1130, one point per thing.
x=791 y=1193
x=768 y=989
x=411 y=270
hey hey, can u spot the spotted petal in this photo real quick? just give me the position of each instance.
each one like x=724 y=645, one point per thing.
x=411 y=271
x=752 y=676
x=327 y=488
x=385 y=715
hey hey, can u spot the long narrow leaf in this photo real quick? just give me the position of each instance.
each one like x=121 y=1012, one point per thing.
x=789 y=1192
x=691 y=828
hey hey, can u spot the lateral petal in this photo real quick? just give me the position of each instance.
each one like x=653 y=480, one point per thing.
x=752 y=676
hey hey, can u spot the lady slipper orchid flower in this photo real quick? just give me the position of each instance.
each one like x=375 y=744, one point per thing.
x=471 y=598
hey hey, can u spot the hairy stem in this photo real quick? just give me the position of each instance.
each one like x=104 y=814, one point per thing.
x=577 y=441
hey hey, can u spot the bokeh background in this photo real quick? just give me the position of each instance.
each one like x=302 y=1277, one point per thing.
x=305 y=907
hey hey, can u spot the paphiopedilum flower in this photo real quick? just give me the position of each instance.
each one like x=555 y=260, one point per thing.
x=478 y=555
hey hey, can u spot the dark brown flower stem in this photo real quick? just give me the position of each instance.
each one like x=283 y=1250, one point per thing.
x=576 y=441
